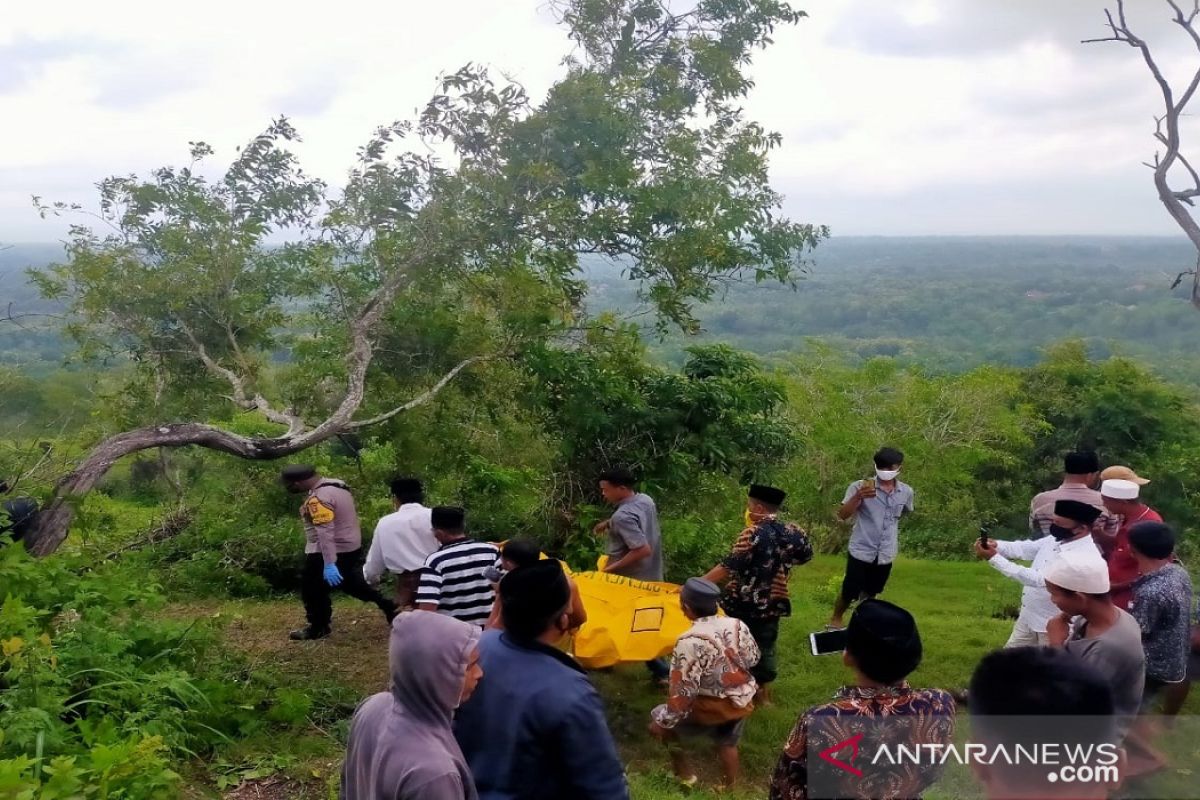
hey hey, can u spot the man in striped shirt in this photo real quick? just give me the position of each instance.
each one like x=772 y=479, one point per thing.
x=454 y=580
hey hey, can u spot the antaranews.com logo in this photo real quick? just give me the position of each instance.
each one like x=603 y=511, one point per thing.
x=1065 y=763
x=905 y=756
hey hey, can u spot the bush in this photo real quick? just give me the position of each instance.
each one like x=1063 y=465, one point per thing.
x=96 y=692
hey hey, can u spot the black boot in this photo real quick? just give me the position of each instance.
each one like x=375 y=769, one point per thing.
x=308 y=633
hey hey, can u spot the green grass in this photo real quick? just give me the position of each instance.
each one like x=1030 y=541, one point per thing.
x=961 y=610
x=964 y=611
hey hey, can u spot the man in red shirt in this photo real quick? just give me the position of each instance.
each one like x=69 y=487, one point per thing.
x=1121 y=498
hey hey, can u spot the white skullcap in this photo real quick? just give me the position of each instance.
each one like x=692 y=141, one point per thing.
x=1087 y=575
x=1119 y=490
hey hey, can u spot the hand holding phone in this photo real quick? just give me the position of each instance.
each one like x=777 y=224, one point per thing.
x=824 y=643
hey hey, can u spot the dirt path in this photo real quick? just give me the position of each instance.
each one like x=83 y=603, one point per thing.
x=356 y=654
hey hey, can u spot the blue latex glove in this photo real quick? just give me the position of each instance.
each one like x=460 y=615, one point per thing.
x=332 y=576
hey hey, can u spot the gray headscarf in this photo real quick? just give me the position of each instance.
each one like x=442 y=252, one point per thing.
x=401 y=742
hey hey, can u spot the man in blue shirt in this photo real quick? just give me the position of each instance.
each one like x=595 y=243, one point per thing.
x=535 y=727
x=876 y=504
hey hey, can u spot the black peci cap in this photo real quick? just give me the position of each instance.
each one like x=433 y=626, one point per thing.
x=1076 y=511
x=883 y=639
x=448 y=518
x=406 y=486
x=297 y=472
x=767 y=494
x=1081 y=463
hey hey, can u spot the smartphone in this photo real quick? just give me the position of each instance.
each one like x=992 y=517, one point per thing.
x=983 y=535
x=826 y=643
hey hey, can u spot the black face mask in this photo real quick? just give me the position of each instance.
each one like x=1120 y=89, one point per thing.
x=1060 y=533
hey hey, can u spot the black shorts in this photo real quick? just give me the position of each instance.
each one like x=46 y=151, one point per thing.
x=863 y=578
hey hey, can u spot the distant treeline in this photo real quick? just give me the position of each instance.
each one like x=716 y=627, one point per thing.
x=942 y=303
x=950 y=304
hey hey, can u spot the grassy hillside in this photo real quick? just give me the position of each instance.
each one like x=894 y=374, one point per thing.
x=964 y=611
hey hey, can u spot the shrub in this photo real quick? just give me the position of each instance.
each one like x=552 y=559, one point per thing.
x=99 y=696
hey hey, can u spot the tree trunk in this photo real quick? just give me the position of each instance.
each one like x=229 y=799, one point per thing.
x=55 y=520
x=1183 y=219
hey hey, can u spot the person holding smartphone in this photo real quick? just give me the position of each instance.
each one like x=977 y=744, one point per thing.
x=876 y=504
x=883 y=647
x=1070 y=536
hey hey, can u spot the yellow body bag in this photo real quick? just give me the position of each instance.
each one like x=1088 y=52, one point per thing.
x=627 y=619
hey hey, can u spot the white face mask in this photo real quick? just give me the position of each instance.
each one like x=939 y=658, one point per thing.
x=886 y=474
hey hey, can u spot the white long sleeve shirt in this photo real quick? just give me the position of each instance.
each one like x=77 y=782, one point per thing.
x=403 y=540
x=1036 y=606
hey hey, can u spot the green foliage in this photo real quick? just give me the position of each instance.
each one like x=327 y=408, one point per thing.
x=966 y=441
x=720 y=413
x=1126 y=414
x=100 y=699
x=952 y=304
x=478 y=259
x=186 y=267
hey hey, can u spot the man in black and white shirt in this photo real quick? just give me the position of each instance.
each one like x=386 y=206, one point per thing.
x=454 y=580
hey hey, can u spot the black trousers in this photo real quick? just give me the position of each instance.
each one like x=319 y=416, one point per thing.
x=863 y=578
x=766 y=634
x=316 y=592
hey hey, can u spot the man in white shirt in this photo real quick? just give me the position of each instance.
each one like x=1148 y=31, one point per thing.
x=1070 y=538
x=403 y=540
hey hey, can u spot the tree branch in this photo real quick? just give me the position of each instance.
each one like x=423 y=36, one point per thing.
x=294 y=424
x=1176 y=202
x=420 y=399
x=9 y=316
x=55 y=520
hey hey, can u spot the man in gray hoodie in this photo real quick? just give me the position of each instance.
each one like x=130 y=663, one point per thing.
x=401 y=744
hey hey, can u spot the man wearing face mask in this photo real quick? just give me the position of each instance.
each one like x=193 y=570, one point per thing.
x=876 y=505
x=755 y=574
x=1070 y=537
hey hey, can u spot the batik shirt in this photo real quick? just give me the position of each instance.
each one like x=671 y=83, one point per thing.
x=1162 y=603
x=713 y=659
x=895 y=715
x=759 y=566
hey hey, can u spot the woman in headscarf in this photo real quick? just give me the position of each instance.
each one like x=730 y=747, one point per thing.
x=402 y=746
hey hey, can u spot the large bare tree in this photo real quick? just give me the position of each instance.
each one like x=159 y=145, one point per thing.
x=640 y=152
x=1170 y=161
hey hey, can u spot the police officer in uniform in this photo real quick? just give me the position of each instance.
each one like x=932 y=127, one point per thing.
x=333 y=551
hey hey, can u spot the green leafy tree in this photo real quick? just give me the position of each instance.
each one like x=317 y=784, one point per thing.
x=1123 y=412
x=640 y=151
x=720 y=413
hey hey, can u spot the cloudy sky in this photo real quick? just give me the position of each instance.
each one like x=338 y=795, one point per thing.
x=910 y=117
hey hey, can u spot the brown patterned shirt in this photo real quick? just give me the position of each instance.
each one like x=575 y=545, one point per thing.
x=891 y=716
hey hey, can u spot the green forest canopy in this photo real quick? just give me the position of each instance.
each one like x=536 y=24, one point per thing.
x=944 y=303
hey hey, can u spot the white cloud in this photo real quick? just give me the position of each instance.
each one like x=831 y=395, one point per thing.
x=924 y=117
